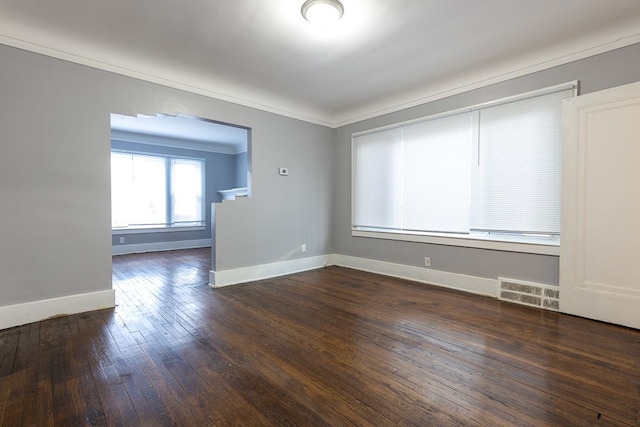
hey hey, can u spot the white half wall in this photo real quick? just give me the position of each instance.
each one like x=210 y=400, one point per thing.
x=21 y=314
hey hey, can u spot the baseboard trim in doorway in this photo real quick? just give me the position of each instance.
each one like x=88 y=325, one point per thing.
x=159 y=246
x=34 y=311
x=222 y=278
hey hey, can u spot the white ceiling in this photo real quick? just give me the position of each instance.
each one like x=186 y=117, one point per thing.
x=384 y=55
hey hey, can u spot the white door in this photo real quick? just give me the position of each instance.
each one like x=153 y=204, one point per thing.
x=600 y=243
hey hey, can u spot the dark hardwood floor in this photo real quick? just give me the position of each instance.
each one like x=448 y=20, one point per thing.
x=327 y=347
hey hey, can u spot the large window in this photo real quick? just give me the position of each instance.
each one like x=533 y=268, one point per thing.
x=490 y=172
x=150 y=191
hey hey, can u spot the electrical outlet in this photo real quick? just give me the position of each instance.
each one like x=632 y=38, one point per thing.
x=304 y=248
x=122 y=240
x=427 y=261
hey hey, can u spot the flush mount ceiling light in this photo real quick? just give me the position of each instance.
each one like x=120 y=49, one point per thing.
x=322 y=12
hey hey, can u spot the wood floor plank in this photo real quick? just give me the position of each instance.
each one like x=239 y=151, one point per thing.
x=531 y=361
x=331 y=346
x=116 y=403
x=8 y=348
x=181 y=407
x=350 y=364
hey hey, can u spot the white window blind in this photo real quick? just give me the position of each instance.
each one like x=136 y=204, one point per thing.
x=493 y=168
x=516 y=182
x=435 y=174
x=378 y=160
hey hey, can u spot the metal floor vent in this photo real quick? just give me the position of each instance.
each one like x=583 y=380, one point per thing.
x=528 y=293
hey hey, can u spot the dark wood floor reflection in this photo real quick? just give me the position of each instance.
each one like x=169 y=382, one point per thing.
x=327 y=347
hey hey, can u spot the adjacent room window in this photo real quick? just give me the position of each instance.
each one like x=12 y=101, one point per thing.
x=150 y=191
x=489 y=172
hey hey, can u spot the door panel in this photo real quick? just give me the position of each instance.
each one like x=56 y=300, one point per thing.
x=600 y=246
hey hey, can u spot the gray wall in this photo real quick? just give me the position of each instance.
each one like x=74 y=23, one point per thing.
x=607 y=70
x=55 y=226
x=220 y=174
x=240 y=170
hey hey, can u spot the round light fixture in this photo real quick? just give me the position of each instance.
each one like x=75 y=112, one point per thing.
x=322 y=12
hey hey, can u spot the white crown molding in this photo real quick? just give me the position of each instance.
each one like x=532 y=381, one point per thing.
x=29 y=312
x=476 y=80
x=209 y=87
x=200 y=86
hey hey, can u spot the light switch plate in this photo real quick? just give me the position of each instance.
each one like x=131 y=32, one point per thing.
x=283 y=171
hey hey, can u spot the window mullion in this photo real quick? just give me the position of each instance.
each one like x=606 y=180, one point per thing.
x=402 y=179
x=169 y=191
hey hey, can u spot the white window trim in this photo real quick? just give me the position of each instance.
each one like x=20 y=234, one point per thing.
x=532 y=94
x=497 y=242
x=550 y=248
x=153 y=229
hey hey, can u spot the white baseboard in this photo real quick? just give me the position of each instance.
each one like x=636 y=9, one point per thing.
x=159 y=246
x=218 y=279
x=21 y=314
x=472 y=284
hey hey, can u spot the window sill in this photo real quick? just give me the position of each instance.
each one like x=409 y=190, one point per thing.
x=534 y=246
x=144 y=230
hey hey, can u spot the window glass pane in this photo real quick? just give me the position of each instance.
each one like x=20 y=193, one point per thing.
x=138 y=190
x=186 y=191
x=148 y=196
x=377 y=180
x=121 y=172
x=436 y=174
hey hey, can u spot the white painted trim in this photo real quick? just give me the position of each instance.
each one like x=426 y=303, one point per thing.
x=222 y=278
x=151 y=230
x=461 y=282
x=209 y=86
x=467 y=241
x=21 y=314
x=484 y=78
x=570 y=85
x=159 y=246
x=472 y=284
x=223 y=90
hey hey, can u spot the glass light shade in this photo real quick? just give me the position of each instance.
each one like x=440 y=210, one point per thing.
x=322 y=12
